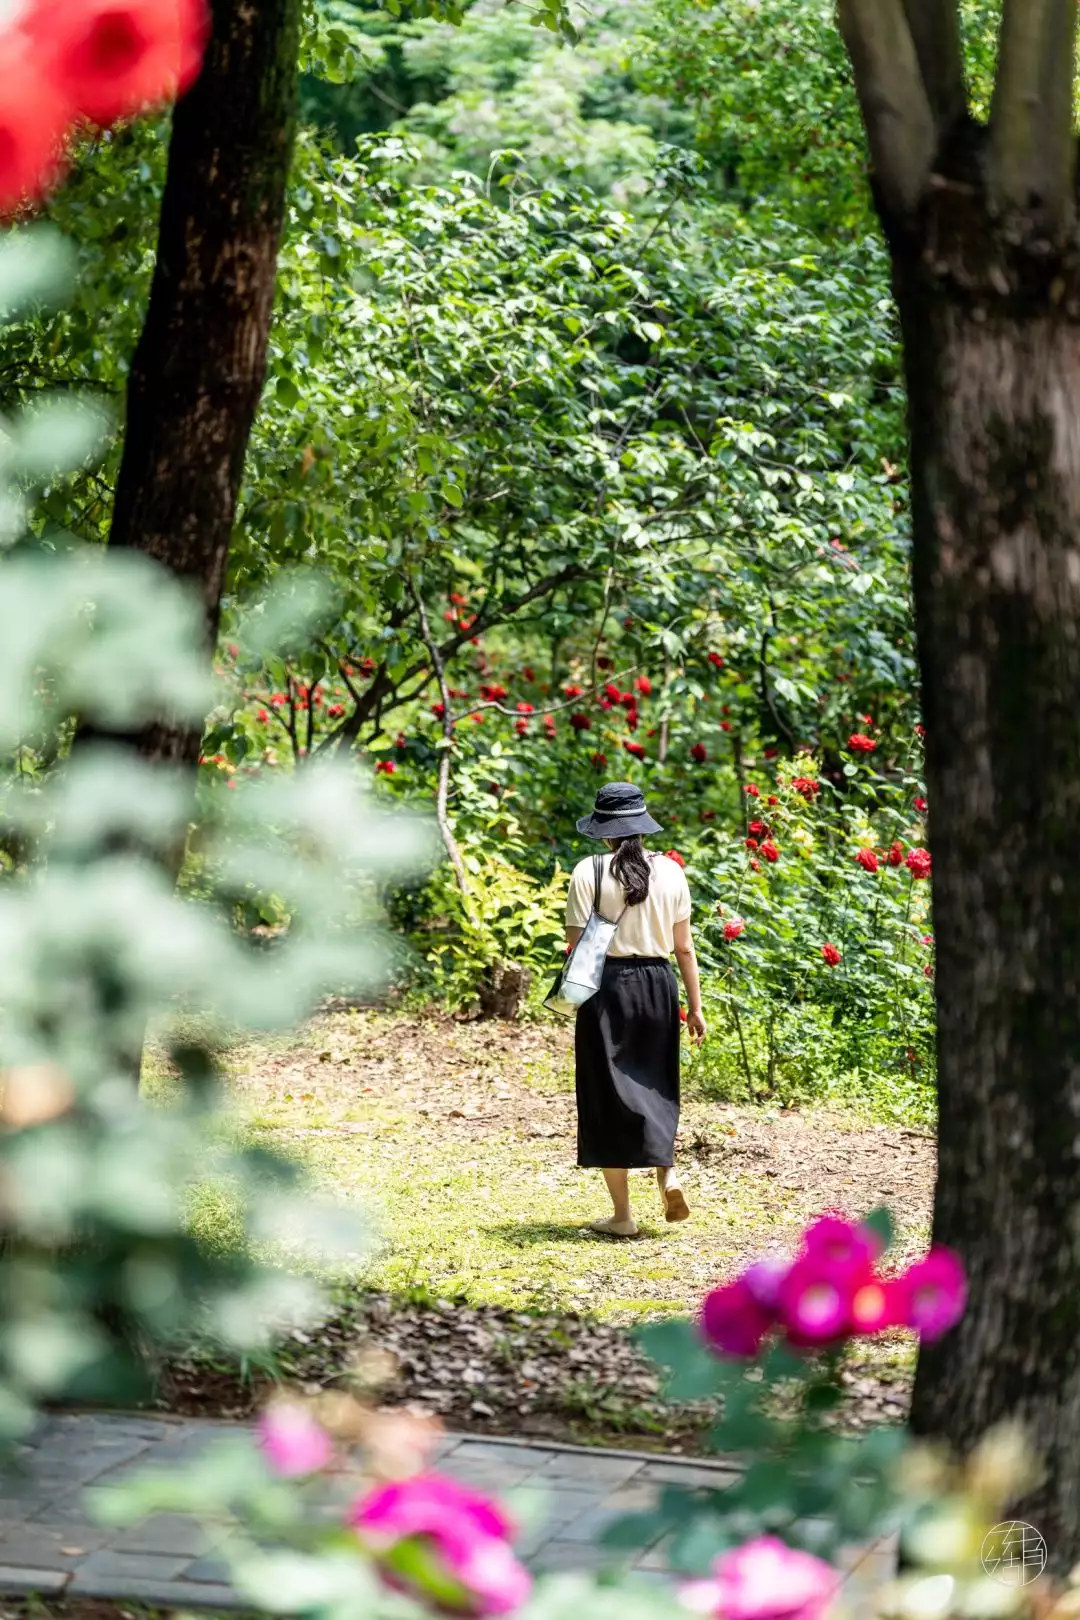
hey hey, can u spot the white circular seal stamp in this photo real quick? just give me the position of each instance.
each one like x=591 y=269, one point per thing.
x=1013 y=1553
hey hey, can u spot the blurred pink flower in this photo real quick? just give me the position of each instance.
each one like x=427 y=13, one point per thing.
x=112 y=58
x=732 y=1320
x=437 y=1539
x=292 y=1441
x=842 y=1243
x=933 y=1293
x=815 y=1301
x=764 y=1580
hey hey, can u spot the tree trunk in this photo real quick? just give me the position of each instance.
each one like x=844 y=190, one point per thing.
x=200 y=363
x=992 y=345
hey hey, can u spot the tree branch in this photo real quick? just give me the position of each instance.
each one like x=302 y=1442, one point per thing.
x=935 y=33
x=442 y=791
x=1032 y=152
x=894 y=100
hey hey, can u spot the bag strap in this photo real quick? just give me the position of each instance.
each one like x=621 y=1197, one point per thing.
x=598 y=880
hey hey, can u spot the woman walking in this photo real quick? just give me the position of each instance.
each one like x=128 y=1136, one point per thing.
x=626 y=1043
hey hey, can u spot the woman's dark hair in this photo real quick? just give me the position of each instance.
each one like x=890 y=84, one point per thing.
x=632 y=869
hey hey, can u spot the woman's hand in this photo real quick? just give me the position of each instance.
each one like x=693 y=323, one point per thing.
x=695 y=1027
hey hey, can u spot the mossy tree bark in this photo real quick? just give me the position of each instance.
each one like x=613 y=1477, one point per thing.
x=987 y=279
x=200 y=363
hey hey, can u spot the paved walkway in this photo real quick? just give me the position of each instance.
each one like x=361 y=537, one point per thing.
x=50 y=1545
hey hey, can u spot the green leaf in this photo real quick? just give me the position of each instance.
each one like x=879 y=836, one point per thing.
x=880 y=1222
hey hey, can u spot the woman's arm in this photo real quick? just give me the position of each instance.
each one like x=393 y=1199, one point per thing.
x=686 y=957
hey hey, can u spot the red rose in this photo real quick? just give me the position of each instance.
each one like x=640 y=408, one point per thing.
x=438 y=710
x=612 y=693
x=757 y=829
x=459 y=600
x=859 y=743
x=708 y=815
x=770 y=753
x=581 y=722
x=918 y=863
x=716 y=660
x=367 y=666
x=521 y=727
x=525 y=708
x=921 y=806
x=755 y=866
x=633 y=720
x=493 y=694
x=831 y=955
x=527 y=674
x=278 y=700
x=628 y=700
x=112 y=58
x=635 y=748
x=262 y=716
x=699 y=753
x=752 y=843
x=867 y=860
x=772 y=799
x=754 y=792
x=603 y=663
x=600 y=761
x=770 y=852
x=572 y=691
x=920 y=731
x=644 y=685
x=928 y=971
x=725 y=725
x=385 y=767
x=896 y=855
x=673 y=855
x=807 y=786
x=335 y=711
x=734 y=928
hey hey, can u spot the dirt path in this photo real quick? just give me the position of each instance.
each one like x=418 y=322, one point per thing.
x=458 y=1140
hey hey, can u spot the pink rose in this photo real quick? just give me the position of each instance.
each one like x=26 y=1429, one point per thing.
x=764 y=1580
x=438 y=1540
x=291 y=1440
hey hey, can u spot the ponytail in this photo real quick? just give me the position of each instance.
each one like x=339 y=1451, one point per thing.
x=631 y=868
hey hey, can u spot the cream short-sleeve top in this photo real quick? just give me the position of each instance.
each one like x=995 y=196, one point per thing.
x=645 y=930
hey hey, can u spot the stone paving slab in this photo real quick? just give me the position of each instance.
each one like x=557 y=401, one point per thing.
x=50 y=1545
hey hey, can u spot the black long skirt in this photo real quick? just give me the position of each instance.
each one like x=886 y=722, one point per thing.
x=626 y=1066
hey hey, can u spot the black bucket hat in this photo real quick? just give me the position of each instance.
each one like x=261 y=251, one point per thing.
x=619 y=812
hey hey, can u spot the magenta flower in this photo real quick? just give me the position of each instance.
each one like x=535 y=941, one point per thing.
x=933 y=1293
x=815 y=1300
x=291 y=1440
x=732 y=1321
x=842 y=1244
x=764 y=1580
x=438 y=1540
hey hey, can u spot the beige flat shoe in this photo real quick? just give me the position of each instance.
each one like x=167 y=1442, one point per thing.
x=613 y=1228
x=675 y=1206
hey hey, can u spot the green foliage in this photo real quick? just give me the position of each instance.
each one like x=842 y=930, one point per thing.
x=507 y=917
x=96 y=1254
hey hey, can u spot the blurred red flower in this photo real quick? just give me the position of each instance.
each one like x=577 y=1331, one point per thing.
x=527 y=673
x=521 y=727
x=612 y=693
x=733 y=928
x=262 y=716
x=33 y=121
x=572 y=691
x=831 y=955
x=754 y=792
x=628 y=700
x=580 y=722
x=896 y=855
x=725 y=725
x=385 y=767
x=859 y=743
x=716 y=660
x=112 y=58
x=770 y=852
x=644 y=685
x=336 y=710
x=673 y=855
x=438 y=710
x=635 y=748
x=918 y=863
x=699 y=753
x=807 y=786
x=525 y=708
x=920 y=805
x=600 y=761
x=493 y=694
x=752 y=843
x=867 y=860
